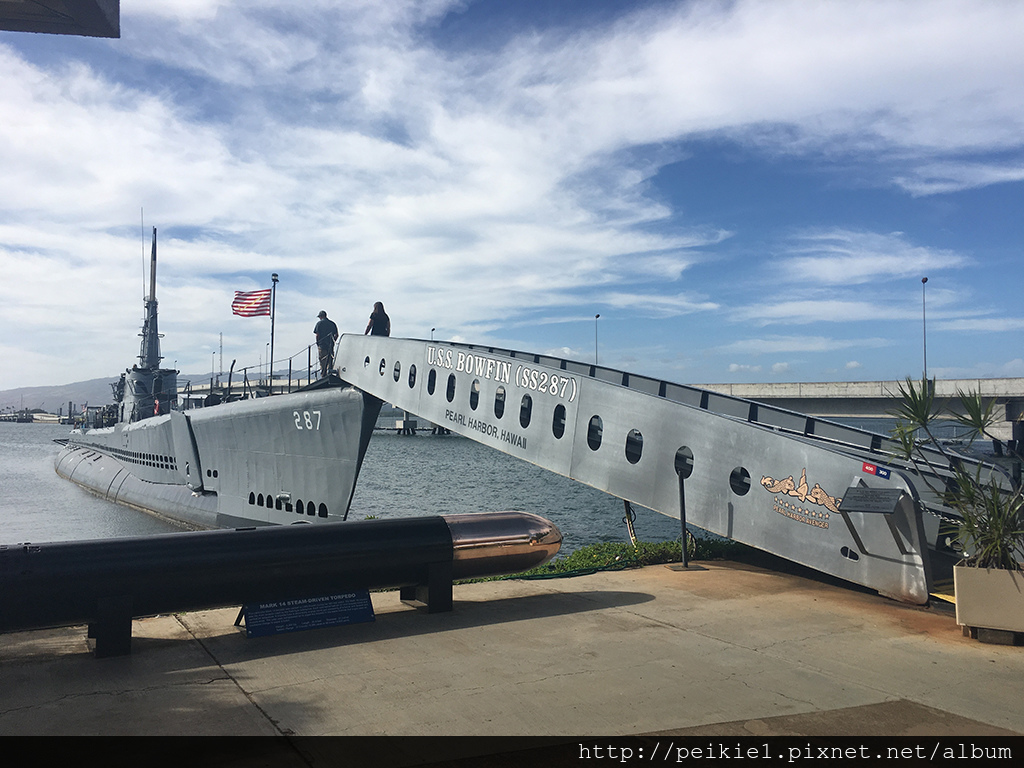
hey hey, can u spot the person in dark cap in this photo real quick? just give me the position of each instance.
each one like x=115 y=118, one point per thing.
x=380 y=323
x=326 y=334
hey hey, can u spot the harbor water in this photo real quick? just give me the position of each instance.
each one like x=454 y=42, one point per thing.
x=402 y=476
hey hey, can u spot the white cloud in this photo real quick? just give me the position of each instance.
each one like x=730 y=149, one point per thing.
x=84 y=146
x=986 y=369
x=820 y=310
x=835 y=72
x=176 y=10
x=802 y=344
x=847 y=276
x=844 y=257
x=343 y=146
x=982 y=324
x=653 y=305
x=949 y=176
x=1013 y=368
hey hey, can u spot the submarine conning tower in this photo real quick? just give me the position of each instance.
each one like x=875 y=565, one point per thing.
x=148 y=390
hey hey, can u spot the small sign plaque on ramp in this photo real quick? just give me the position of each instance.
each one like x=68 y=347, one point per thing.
x=877 y=500
x=884 y=501
x=263 y=619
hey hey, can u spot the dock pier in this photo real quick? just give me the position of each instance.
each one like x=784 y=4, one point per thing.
x=739 y=649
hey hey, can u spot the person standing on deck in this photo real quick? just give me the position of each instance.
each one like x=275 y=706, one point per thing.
x=380 y=323
x=326 y=334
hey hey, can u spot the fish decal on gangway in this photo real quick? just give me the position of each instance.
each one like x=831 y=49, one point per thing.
x=807 y=495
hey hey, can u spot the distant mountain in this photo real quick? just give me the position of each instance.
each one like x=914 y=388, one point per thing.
x=52 y=399
x=91 y=392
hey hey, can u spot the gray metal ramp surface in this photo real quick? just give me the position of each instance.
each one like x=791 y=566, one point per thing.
x=768 y=485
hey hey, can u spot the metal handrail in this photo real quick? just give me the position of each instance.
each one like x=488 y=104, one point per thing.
x=266 y=386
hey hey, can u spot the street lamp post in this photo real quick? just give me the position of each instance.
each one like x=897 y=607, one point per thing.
x=924 y=327
x=595 y=338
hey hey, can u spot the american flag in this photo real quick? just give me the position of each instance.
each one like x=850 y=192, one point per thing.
x=251 y=303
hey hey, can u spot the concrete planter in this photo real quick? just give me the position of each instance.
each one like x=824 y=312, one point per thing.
x=989 y=598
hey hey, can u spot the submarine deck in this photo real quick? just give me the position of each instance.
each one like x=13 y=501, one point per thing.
x=730 y=649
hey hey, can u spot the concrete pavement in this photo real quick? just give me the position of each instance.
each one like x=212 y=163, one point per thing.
x=733 y=649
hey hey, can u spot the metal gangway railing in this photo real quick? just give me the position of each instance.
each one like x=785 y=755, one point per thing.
x=257 y=380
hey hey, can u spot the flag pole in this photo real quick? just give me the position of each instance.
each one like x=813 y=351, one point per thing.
x=273 y=307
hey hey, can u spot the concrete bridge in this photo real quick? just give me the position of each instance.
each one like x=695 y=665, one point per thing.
x=875 y=399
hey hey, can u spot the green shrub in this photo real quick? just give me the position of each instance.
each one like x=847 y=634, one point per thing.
x=990 y=528
x=611 y=556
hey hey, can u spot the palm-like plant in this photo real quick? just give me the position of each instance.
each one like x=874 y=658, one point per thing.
x=990 y=532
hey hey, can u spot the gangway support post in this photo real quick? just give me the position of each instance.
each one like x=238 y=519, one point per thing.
x=682 y=518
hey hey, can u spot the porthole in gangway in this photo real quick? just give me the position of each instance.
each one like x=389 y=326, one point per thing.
x=398 y=370
x=499 y=403
x=474 y=394
x=634 y=446
x=684 y=462
x=526 y=411
x=431 y=381
x=450 y=394
x=412 y=376
x=595 y=432
x=739 y=481
x=558 y=421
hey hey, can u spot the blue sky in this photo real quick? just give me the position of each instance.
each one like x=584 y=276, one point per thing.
x=744 y=191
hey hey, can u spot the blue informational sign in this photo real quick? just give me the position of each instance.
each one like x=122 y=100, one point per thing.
x=263 y=619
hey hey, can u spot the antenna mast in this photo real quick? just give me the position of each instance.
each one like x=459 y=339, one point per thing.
x=149 y=354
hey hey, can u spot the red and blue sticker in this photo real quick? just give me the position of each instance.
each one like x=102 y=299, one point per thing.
x=872 y=469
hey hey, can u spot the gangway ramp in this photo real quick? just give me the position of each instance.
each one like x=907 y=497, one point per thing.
x=766 y=477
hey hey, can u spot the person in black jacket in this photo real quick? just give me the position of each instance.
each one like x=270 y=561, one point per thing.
x=326 y=334
x=380 y=323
